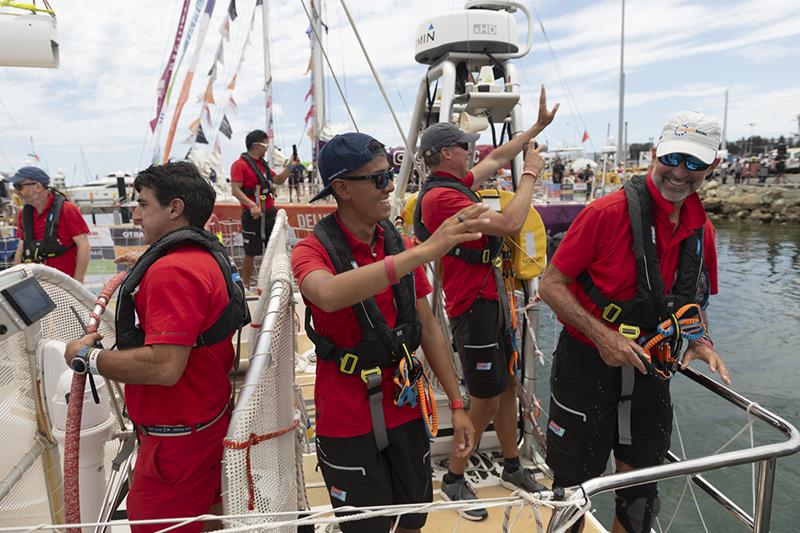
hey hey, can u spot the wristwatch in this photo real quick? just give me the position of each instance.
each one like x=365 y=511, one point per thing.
x=80 y=363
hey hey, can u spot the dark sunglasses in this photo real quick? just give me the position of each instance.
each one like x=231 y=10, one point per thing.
x=692 y=163
x=381 y=180
x=19 y=186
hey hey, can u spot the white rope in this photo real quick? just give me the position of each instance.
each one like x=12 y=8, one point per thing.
x=688 y=481
x=285 y=519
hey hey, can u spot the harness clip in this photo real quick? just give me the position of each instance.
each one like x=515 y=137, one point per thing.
x=366 y=373
x=611 y=312
x=348 y=363
x=632 y=332
x=486 y=256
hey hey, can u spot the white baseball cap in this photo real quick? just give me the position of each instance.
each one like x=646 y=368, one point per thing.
x=690 y=132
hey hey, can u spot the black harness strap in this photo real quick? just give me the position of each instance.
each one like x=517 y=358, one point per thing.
x=235 y=314
x=34 y=251
x=264 y=180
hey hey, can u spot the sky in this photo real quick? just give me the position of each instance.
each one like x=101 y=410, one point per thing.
x=90 y=116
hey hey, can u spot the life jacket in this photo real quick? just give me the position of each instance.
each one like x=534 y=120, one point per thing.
x=34 y=251
x=233 y=316
x=650 y=305
x=264 y=180
x=471 y=255
x=380 y=346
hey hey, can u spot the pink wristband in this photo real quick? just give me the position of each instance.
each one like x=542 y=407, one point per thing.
x=391 y=273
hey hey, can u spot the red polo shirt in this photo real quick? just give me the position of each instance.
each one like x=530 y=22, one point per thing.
x=70 y=224
x=599 y=241
x=341 y=399
x=181 y=295
x=242 y=173
x=462 y=282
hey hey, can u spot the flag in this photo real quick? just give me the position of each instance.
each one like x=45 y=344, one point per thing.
x=232 y=10
x=36 y=157
x=585 y=136
x=310 y=92
x=312 y=113
x=208 y=97
x=166 y=76
x=220 y=54
x=308 y=69
x=194 y=125
x=232 y=84
x=225 y=127
x=217 y=148
x=200 y=137
x=212 y=73
x=231 y=105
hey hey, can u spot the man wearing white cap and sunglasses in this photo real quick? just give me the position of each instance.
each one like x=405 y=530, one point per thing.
x=629 y=262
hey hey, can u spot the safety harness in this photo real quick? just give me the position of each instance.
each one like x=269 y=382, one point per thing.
x=34 y=251
x=380 y=346
x=233 y=316
x=485 y=255
x=659 y=322
x=264 y=182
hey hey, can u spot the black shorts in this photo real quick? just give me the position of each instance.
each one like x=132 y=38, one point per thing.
x=582 y=428
x=357 y=474
x=483 y=347
x=254 y=237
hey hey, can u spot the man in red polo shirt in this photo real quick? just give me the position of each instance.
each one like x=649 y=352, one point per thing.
x=366 y=291
x=603 y=295
x=175 y=362
x=253 y=184
x=50 y=229
x=470 y=284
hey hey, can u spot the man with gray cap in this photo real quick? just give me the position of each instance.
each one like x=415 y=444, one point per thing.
x=365 y=288
x=471 y=285
x=50 y=229
x=630 y=261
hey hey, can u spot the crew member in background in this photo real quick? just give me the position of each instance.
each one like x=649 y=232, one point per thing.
x=475 y=304
x=253 y=184
x=368 y=321
x=175 y=361
x=608 y=287
x=50 y=229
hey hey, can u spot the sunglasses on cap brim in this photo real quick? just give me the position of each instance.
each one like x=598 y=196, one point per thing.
x=692 y=163
x=381 y=180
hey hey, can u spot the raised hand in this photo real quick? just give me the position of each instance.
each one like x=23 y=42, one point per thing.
x=545 y=117
x=534 y=162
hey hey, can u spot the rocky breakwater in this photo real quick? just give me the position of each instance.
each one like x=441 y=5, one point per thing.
x=770 y=205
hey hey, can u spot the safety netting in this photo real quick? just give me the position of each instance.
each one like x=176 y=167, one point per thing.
x=31 y=488
x=261 y=453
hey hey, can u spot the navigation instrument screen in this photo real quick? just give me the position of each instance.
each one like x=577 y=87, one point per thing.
x=29 y=300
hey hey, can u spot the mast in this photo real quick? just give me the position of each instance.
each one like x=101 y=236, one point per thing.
x=725 y=122
x=621 y=118
x=267 y=80
x=317 y=76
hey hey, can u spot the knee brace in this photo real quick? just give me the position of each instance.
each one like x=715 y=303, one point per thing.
x=637 y=507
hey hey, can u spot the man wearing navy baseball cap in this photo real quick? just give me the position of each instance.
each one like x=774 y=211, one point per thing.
x=50 y=229
x=365 y=289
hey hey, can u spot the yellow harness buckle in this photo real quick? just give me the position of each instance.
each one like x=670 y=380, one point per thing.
x=486 y=257
x=632 y=332
x=611 y=312
x=348 y=363
x=368 y=372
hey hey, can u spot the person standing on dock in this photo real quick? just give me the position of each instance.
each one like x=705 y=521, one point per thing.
x=366 y=290
x=253 y=184
x=50 y=229
x=474 y=291
x=177 y=311
x=630 y=261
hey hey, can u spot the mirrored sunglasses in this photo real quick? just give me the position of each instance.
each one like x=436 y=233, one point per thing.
x=692 y=163
x=381 y=180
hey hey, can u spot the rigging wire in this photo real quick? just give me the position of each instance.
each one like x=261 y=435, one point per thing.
x=562 y=78
x=330 y=67
x=409 y=149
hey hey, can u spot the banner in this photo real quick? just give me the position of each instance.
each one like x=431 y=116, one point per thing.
x=163 y=83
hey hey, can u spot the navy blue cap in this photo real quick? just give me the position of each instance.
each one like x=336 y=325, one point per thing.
x=341 y=156
x=30 y=173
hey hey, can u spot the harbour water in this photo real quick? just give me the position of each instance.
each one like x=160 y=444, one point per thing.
x=754 y=322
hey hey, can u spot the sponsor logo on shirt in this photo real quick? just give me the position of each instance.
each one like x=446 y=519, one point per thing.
x=487 y=365
x=555 y=428
x=339 y=494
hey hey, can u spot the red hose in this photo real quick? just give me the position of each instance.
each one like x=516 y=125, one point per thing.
x=72 y=437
